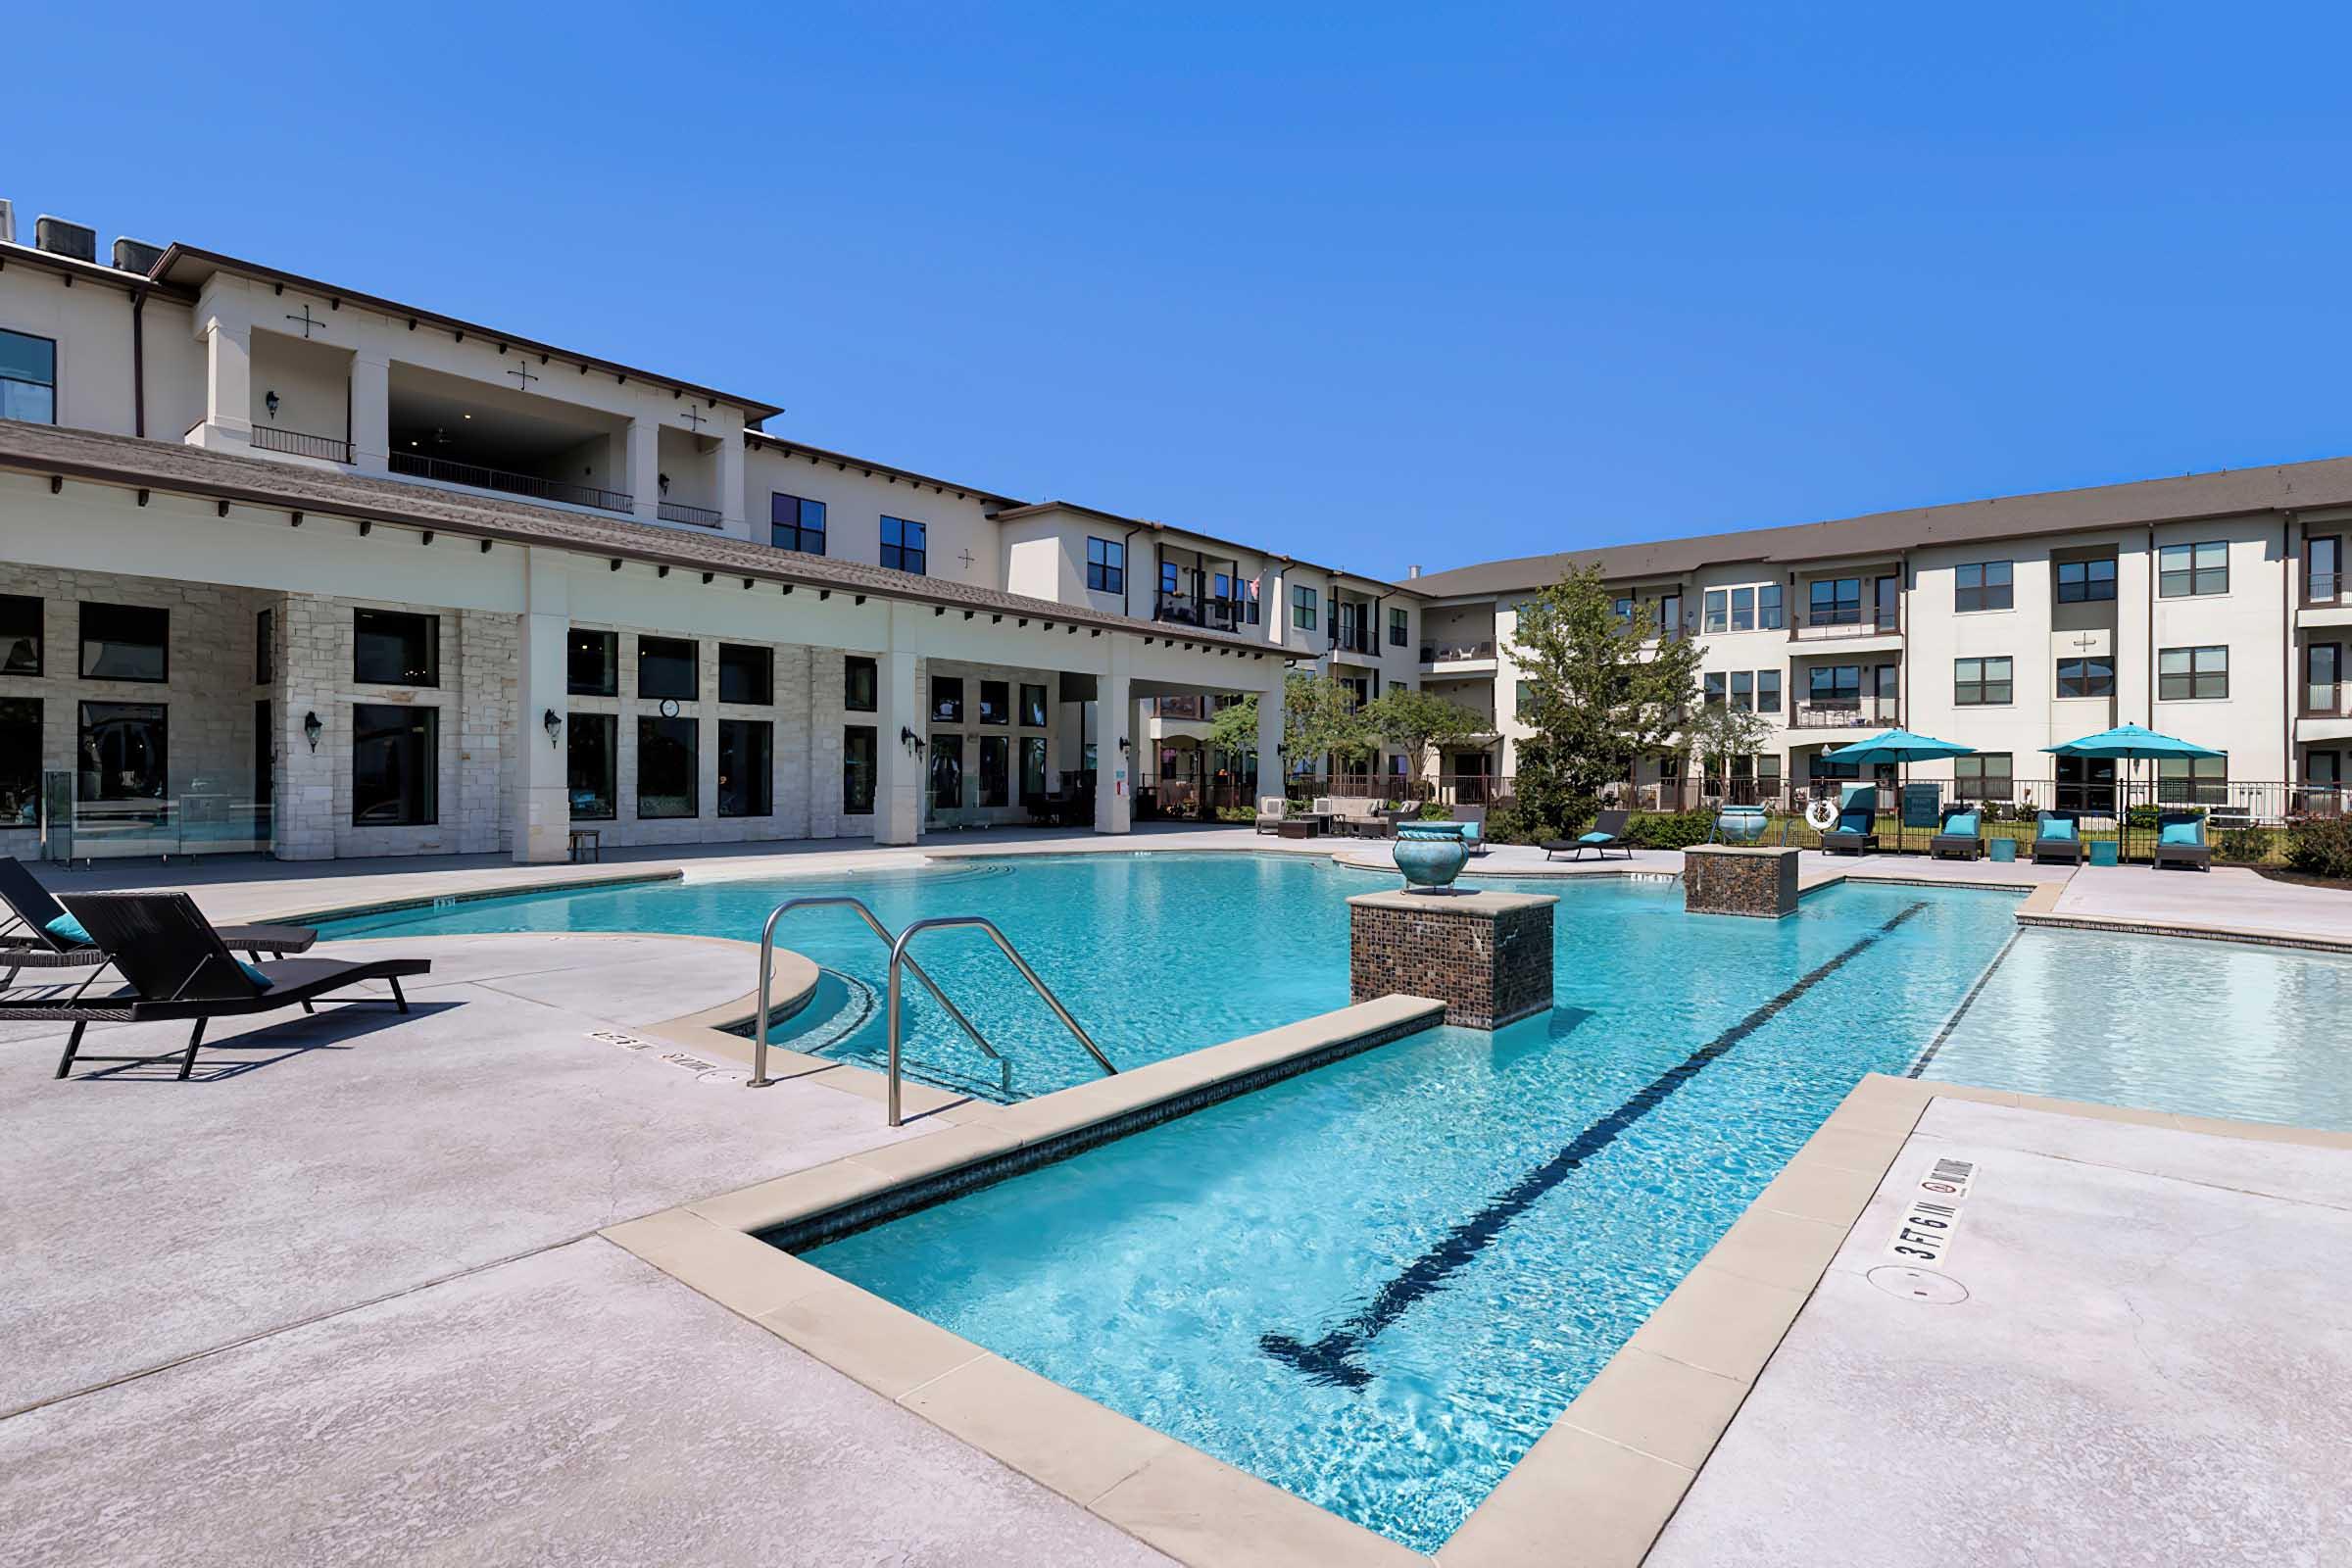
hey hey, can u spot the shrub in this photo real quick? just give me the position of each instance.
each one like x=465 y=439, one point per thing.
x=1236 y=813
x=2321 y=846
x=1436 y=812
x=1506 y=823
x=2247 y=845
x=2145 y=818
x=1668 y=830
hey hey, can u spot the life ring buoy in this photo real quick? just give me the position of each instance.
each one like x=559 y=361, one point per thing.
x=1822 y=815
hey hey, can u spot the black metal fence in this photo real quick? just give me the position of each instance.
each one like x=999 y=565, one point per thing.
x=420 y=465
x=271 y=438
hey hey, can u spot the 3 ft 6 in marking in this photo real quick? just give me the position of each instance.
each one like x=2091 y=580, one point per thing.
x=1931 y=1217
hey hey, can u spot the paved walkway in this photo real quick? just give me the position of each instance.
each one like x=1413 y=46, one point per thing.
x=2228 y=900
x=2135 y=1351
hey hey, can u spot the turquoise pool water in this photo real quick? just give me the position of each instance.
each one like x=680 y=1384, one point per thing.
x=2204 y=1028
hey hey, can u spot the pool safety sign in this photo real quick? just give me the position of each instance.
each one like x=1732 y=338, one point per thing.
x=1931 y=1215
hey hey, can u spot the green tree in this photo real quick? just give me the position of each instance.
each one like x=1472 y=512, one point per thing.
x=1601 y=693
x=1416 y=721
x=1717 y=732
x=1319 y=718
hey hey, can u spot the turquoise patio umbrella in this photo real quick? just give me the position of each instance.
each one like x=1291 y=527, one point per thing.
x=2134 y=743
x=1902 y=748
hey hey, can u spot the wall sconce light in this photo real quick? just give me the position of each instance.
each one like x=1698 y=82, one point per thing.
x=310 y=728
x=662 y=480
x=553 y=722
x=1125 y=746
x=910 y=740
x=271 y=403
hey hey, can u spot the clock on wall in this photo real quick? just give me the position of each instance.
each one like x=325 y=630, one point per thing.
x=669 y=707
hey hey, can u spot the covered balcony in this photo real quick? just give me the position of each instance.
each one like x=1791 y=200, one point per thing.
x=451 y=431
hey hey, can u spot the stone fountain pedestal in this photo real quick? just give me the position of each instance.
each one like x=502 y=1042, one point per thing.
x=1737 y=879
x=1487 y=955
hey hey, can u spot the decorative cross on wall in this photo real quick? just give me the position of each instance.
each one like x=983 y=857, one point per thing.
x=2087 y=642
x=966 y=558
x=522 y=377
x=306 y=320
x=694 y=418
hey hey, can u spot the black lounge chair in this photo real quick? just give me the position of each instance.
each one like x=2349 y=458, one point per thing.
x=27 y=942
x=1858 y=829
x=2188 y=848
x=1968 y=844
x=1606 y=833
x=179 y=970
x=2058 y=837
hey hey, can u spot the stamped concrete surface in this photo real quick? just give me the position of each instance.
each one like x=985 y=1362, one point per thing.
x=2227 y=900
x=2150 y=1365
x=576 y=1406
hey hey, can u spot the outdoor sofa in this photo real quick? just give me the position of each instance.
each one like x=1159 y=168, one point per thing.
x=1606 y=833
x=1960 y=834
x=2181 y=841
x=2057 y=839
x=39 y=933
x=179 y=969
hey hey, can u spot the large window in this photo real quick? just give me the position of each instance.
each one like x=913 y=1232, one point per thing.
x=1033 y=705
x=1304 y=606
x=669 y=767
x=746 y=774
x=2192 y=780
x=592 y=664
x=1836 y=602
x=795 y=522
x=2324 y=569
x=905 y=546
x=2323 y=674
x=1717 y=615
x=393 y=648
x=1712 y=686
x=1743 y=691
x=19 y=762
x=125 y=752
x=747 y=674
x=125 y=642
x=1835 y=686
x=2086 y=677
x=1767 y=691
x=592 y=743
x=668 y=667
x=860 y=685
x=1985 y=776
x=996 y=701
x=2192 y=674
x=1982 y=682
x=857 y=770
x=1743 y=608
x=996 y=766
x=1033 y=767
x=1399 y=626
x=1985 y=585
x=395 y=766
x=1105 y=566
x=19 y=635
x=1768 y=610
x=2184 y=571
x=264 y=647
x=946 y=699
x=2085 y=581
x=947 y=773
x=2086 y=784
x=28 y=378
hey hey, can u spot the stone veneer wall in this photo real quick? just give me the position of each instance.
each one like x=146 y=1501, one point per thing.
x=208 y=695
x=1719 y=880
x=1490 y=968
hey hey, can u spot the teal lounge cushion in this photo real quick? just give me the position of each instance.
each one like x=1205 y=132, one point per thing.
x=2192 y=834
x=1961 y=824
x=68 y=929
x=1854 y=823
x=1597 y=838
x=2058 y=828
x=254 y=975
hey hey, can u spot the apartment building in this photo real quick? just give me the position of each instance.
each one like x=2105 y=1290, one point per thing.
x=285 y=566
x=2212 y=606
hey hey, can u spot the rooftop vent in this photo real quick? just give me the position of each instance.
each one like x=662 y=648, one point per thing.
x=77 y=241
x=1413 y=571
x=137 y=254
x=8 y=223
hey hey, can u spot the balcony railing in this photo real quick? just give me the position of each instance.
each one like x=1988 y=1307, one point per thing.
x=419 y=465
x=1456 y=652
x=1834 y=626
x=1191 y=610
x=1354 y=640
x=269 y=438
x=1844 y=713
x=2322 y=588
x=679 y=511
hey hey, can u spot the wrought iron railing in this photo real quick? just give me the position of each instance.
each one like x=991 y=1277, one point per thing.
x=1832 y=625
x=1843 y=712
x=420 y=465
x=2323 y=587
x=1194 y=609
x=1456 y=652
x=271 y=438
x=679 y=511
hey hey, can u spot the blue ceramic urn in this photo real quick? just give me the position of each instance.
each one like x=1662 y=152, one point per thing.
x=1431 y=855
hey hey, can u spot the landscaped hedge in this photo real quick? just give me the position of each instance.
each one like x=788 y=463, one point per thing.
x=1668 y=830
x=2321 y=846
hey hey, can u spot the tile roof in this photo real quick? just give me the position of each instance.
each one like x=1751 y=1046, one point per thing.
x=131 y=461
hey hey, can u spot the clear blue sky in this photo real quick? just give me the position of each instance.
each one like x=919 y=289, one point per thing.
x=1378 y=285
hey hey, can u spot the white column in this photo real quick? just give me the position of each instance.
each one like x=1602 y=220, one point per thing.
x=645 y=467
x=898 y=768
x=1269 y=742
x=1114 y=764
x=734 y=508
x=370 y=414
x=542 y=822
x=228 y=385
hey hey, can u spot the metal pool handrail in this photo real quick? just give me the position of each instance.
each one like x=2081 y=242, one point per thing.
x=898 y=957
x=768 y=968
